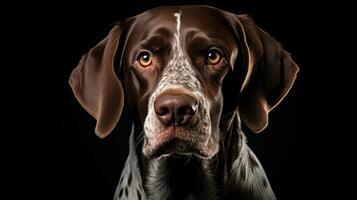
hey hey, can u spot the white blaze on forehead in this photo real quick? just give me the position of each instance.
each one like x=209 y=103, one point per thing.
x=176 y=43
x=178 y=27
x=178 y=21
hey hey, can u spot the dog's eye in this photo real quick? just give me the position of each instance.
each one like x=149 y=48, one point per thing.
x=214 y=56
x=145 y=59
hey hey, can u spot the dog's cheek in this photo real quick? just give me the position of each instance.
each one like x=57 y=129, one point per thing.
x=131 y=88
x=216 y=112
x=143 y=108
x=205 y=118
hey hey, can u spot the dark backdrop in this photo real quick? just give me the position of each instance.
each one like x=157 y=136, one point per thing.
x=75 y=164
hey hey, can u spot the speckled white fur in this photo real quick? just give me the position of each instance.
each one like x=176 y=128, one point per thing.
x=129 y=190
x=247 y=177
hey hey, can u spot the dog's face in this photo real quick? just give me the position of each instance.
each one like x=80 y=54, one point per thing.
x=178 y=67
x=175 y=66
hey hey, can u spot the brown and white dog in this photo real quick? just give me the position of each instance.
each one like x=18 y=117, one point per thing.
x=189 y=74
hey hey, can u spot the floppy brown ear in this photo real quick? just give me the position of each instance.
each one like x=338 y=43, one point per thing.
x=270 y=75
x=96 y=86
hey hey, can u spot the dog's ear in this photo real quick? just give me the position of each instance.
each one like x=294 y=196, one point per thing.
x=268 y=76
x=96 y=85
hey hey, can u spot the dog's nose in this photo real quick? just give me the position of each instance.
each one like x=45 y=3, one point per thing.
x=175 y=109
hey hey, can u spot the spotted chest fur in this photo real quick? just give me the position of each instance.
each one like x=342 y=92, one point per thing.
x=130 y=183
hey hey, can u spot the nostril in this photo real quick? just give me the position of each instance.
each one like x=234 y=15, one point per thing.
x=185 y=110
x=163 y=111
x=175 y=109
x=182 y=111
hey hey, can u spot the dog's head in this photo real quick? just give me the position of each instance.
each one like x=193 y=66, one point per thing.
x=178 y=68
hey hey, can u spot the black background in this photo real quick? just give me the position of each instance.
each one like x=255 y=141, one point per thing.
x=65 y=160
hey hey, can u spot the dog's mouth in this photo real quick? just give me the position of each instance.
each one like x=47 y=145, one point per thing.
x=175 y=146
x=178 y=141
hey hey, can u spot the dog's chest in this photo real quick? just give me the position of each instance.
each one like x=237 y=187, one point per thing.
x=130 y=182
x=130 y=185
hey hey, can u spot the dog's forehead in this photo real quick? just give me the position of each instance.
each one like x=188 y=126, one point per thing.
x=191 y=15
x=203 y=18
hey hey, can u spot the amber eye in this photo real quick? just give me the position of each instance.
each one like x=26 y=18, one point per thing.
x=214 y=56
x=145 y=59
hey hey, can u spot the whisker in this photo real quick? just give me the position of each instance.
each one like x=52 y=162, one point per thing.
x=139 y=138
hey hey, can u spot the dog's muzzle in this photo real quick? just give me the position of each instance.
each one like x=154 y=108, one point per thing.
x=179 y=128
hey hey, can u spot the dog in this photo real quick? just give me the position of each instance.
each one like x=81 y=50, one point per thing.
x=189 y=75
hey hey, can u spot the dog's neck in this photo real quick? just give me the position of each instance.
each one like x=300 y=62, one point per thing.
x=181 y=177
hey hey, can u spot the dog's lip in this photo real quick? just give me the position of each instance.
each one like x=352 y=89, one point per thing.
x=175 y=146
x=173 y=140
